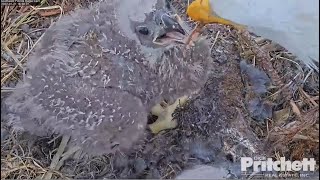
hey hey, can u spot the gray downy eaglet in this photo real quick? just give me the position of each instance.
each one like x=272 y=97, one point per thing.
x=97 y=73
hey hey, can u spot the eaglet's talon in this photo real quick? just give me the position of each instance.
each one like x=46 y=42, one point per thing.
x=165 y=119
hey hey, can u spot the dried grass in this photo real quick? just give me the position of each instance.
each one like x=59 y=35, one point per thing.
x=297 y=134
x=18 y=161
x=17 y=42
x=295 y=92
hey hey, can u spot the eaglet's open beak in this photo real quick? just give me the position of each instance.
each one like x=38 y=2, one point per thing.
x=169 y=30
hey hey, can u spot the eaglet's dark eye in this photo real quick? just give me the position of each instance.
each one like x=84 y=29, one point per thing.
x=143 y=30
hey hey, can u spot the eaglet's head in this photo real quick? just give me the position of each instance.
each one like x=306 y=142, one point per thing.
x=181 y=70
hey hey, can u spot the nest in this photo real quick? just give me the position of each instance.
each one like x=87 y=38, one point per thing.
x=292 y=131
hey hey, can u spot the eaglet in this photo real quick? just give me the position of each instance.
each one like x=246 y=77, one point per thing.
x=98 y=72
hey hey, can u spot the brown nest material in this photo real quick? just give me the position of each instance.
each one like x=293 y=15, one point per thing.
x=293 y=130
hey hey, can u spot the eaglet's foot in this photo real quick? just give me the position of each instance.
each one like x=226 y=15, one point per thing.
x=165 y=119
